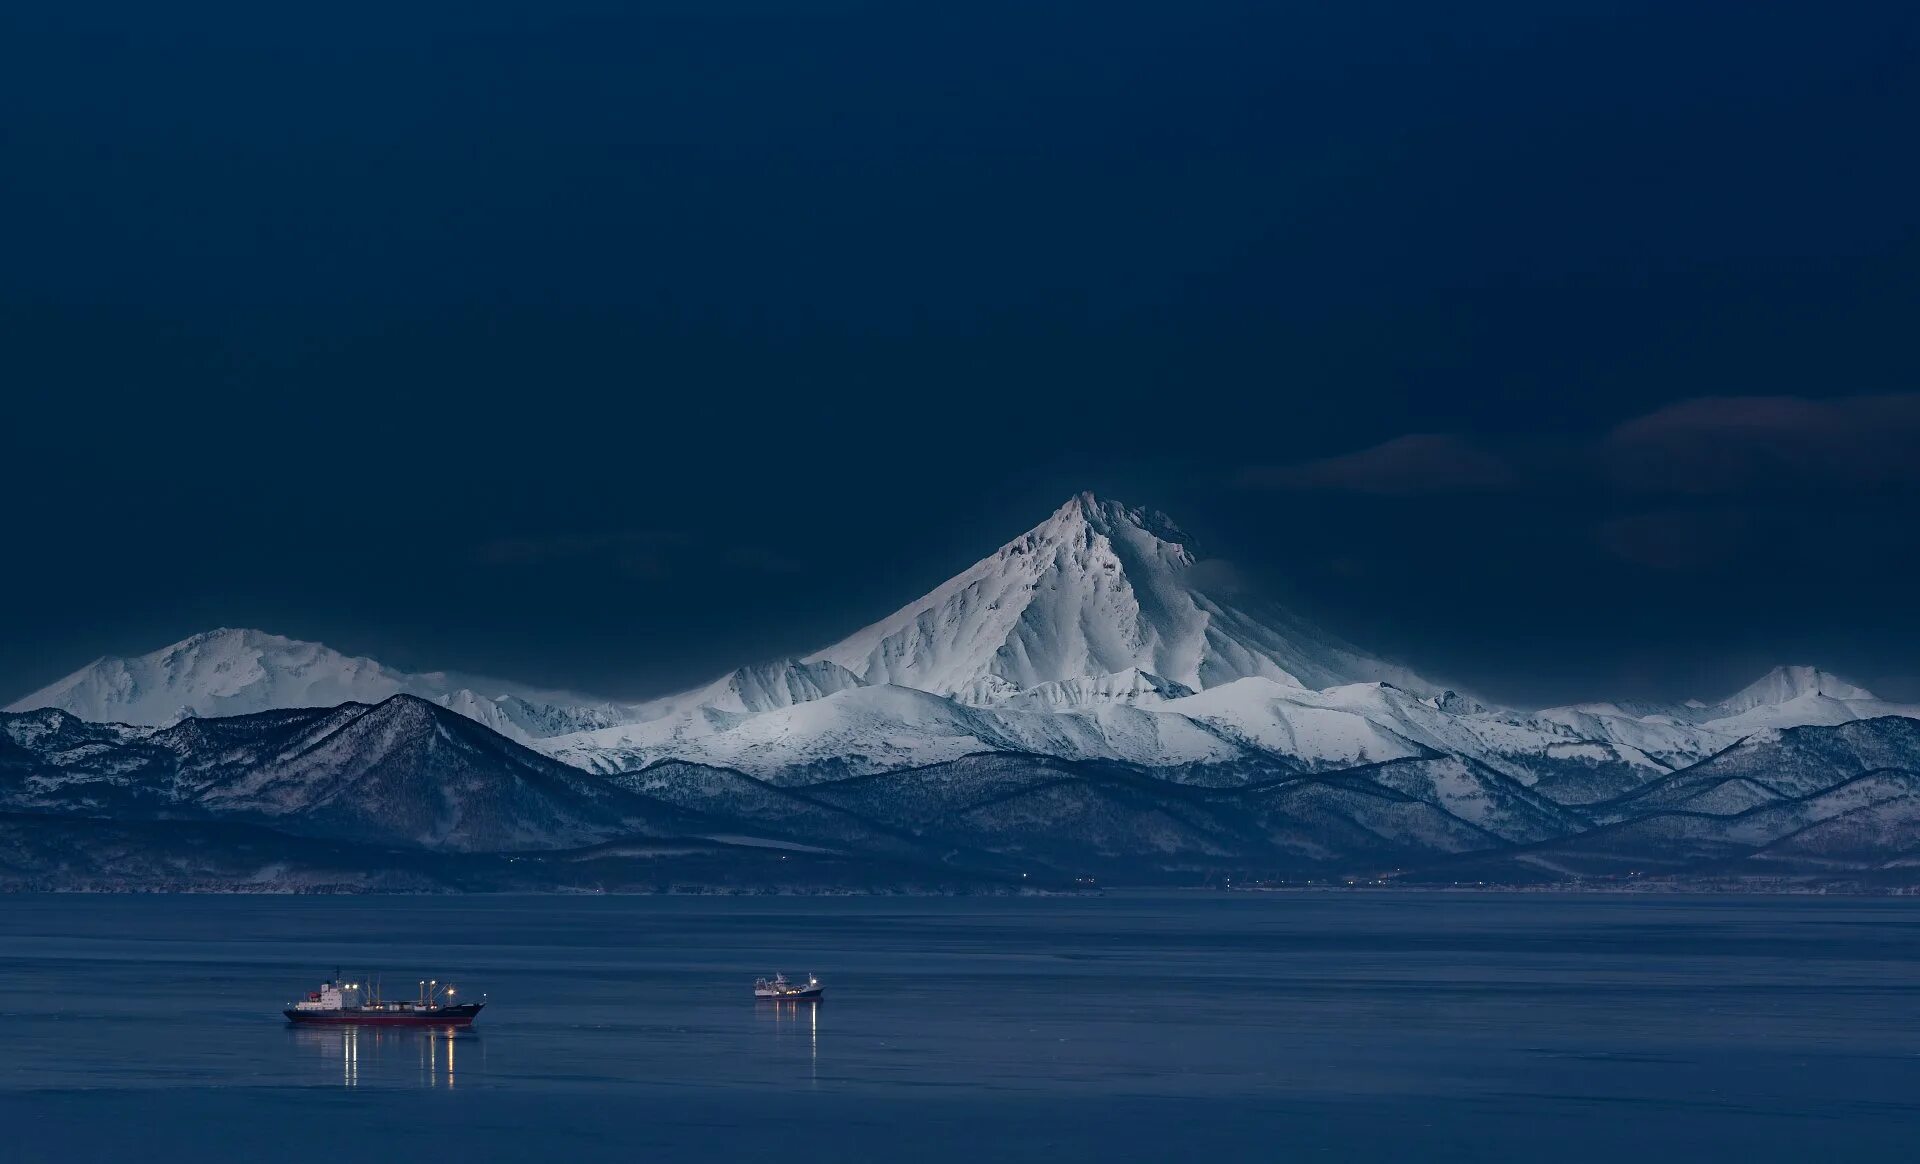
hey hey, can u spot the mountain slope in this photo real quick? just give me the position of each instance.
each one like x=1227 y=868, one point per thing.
x=1800 y=802
x=875 y=729
x=403 y=771
x=236 y=672
x=408 y=770
x=1778 y=766
x=405 y=783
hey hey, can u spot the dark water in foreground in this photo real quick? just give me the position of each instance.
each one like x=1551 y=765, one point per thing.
x=1391 y=1027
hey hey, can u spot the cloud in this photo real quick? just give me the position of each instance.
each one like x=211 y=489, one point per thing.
x=1406 y=466
x=1687 y=486
x=1710 y=446
x=1748 y=445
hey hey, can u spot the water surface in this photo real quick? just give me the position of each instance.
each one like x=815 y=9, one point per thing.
x=1268 y=1027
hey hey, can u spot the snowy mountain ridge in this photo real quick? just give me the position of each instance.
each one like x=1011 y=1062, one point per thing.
x=1098 y=635
x=232 y=671
x=409 y=795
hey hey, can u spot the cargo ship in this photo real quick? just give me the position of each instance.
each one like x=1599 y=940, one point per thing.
x=778 y=989
x=352 y=1002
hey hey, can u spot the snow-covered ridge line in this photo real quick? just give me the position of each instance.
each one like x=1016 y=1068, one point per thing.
x=1096 y=635
x=234 y=672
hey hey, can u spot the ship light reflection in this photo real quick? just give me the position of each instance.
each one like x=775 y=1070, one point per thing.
x=387 y=1055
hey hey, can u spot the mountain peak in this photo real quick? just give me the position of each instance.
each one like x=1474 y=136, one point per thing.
x=1099 y=588
x=236 y=633
x=228 y=671
x=1791 y=682
x=1105 y=517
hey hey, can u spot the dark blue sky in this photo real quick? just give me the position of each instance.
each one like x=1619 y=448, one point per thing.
x=610 y=345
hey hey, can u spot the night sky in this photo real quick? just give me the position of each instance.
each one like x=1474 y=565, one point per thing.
x=1567 y=349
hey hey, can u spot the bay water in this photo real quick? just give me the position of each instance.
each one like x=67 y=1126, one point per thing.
x=1384 y=1026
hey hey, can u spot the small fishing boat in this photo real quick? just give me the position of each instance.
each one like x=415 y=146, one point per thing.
x=778 y=989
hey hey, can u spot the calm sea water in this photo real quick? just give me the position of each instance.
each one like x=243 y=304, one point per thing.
x=1390 y=1027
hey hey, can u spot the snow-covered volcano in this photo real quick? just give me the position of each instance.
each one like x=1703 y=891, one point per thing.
x=1099 y=599
x=1065 y=641
x=1099 y=634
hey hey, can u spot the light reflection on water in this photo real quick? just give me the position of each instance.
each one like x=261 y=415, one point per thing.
x=790 y=1019
x=387 y=1056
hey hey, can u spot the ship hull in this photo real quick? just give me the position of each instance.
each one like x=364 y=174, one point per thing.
x=799 y=996
x=446 y=1016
